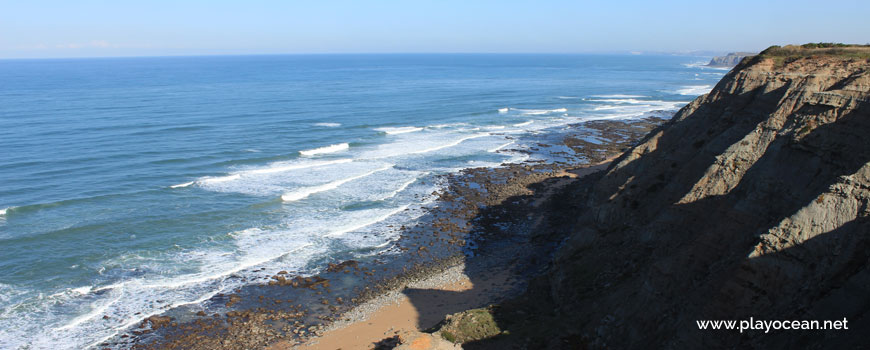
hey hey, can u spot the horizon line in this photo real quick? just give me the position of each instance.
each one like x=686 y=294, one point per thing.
x=615 y=53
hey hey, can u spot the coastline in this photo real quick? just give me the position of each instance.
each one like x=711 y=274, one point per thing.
x=486 y=219
x=403 y=316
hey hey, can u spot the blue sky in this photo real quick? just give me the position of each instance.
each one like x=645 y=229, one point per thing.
x=86 y=28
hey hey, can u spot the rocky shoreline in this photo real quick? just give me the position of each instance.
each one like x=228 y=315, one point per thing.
x=485 y=218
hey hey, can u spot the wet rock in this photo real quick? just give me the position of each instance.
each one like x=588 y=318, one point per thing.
x=342 y=266
x=156 y=322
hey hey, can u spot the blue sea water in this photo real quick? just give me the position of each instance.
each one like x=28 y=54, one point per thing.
x=131 y=185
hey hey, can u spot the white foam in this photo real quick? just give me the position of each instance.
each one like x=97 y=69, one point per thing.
x=629 y=106
x=524 y=123
x=328 y=125
x=500 y=147
x=698 y=64
x=567 y=97
x=403 y=187
x=539 y=111
x=694 y=90
x=503 y=110
x=327 y=149
x=81 y=290
x=215 y=180
x=282 y=167
x=183 y=185
x=622 y=100
x=131 y=301
x=271 y=169
x=94 y=313
x=3 y=211
x=451 y=144
x=399 y=130
x=619 y=96
x=305 y=192
x=356 y=227
x=703 y=65
x=449 y=125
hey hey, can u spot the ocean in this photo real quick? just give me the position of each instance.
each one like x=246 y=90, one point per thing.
x=133 y=185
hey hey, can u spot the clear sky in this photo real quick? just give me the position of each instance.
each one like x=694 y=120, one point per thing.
x=88 y=28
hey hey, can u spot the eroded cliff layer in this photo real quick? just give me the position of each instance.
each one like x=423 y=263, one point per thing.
x=751 y=202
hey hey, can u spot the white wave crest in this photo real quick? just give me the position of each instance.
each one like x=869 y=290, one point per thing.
x=274 y=168
x=362 y=225
x=500 y=147
x=404 y=186
x=326 y=149
x=305 y=192
x=328 y=125
x=282 y=168
x=399 y=130
x=503 y=110
x=694 y=90
x=454 y=143
x=618 y=96
x=183 y=185
x=524 y=123
x=214 y=180
x=539 y=111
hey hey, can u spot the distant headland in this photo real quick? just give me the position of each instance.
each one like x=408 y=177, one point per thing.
x=729 y=60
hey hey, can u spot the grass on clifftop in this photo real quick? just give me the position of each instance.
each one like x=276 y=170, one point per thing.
x=788 y=53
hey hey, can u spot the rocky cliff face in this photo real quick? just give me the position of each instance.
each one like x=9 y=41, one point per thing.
x=729 y=60
x=751 y=202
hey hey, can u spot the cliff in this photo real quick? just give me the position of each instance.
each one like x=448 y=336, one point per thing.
x=729 y=60
x=751 y=202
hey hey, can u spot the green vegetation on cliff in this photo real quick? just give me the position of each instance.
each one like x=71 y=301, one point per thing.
x=788 y=53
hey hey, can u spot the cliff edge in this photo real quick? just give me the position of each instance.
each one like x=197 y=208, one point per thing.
x=751 y=202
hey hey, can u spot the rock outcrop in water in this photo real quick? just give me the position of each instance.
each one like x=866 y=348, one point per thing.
x=729 y=60
x=752 y=202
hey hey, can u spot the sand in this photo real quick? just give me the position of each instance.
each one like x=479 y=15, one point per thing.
x=396 y=314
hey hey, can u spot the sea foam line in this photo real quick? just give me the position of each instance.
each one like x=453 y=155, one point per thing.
x=405 y=185
x=325 y=149
x=539 y=111
x=278 y=169
x=619 y=96
x=183 y=185
x=212 y=180
x=691 y=90
x=303 y=193
x=328 y=125
x=454 y=143
x=79 y=320
x=500 y=147
x=399 y=130
x=209 y=180
x=206 y=296
x=268 y=170
x=368 y=223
